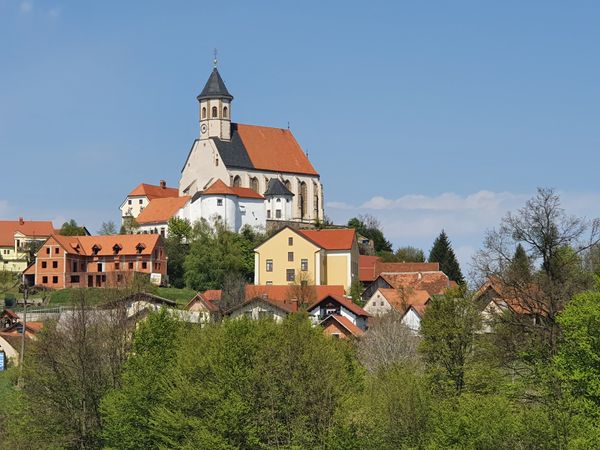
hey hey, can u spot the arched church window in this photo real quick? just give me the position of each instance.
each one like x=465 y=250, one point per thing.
x=204 y=112
x=316 y=200
x=254 y=184
x=225 y=112
x=237 y=181
x=288 y=185
x=215 y=111
x=302 y=200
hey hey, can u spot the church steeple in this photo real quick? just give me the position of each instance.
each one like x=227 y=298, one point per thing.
x=215 y=108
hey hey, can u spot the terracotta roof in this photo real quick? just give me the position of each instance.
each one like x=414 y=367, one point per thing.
x=83 y=245
x=274 y=149
x=370 y=267
x=520 y=299
x=286 y=307
x=331 y=239
x=160 y=210
x=9 y=313
x=210 y=304
x=220 y=188
x=152 y=191
x=30 y=269
x=278 y=293
x=402 y=300
x=433 y=282
x=345 y=302
x=32 y=228
x=344 y=322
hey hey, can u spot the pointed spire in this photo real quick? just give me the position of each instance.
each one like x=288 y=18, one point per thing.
x=215 y=87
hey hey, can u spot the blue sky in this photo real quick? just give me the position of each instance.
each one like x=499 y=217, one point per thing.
x=427 y=115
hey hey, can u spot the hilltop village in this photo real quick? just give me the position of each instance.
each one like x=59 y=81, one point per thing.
x=229 y=312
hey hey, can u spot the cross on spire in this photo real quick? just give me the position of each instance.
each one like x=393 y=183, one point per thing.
x=215 y=61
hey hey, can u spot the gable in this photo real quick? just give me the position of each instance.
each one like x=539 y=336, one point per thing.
x=279 y=241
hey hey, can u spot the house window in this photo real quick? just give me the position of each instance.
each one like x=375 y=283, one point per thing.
x=268 y=214
x=74 y=267
x=290 y=275
x=215 y=111
x=290 y=256
x=43 y=264
x=130 y=266
x=140 y=201
x=99 y=267
x=18 y=243
x=278 y=214
x=56 y=251
x=269 y=283
x=54 y=280
x=335 y=335
x=144 y=265
x=304 y=265
x=47 y=250
x=269 y=265
x=290 y=241
x=74 y=278
x=117 y=266
x=45 y=280
x=55 y=264
x=119 y=277
x=219 y=202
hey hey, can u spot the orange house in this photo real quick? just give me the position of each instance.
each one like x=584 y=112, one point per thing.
x=97 y=261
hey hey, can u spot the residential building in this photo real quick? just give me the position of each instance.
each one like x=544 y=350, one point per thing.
x=370 y=267
x=249 y=156
x=434 y=282
x=154 y=219
x=349 y=319
x=319 y=257
x=409 y=302
x=16 y=236
x=11 y=334
x=140 y=197
x=97 y=261
x=262 y=308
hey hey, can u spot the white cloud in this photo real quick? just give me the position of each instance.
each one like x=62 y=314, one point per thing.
x=416 y=219
x=26 y=7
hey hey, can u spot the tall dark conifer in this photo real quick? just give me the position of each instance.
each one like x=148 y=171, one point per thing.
x=442 y=253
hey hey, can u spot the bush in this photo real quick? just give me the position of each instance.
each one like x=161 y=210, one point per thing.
x=10 y=300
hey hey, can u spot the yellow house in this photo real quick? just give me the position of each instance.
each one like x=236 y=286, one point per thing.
x=320 y=257
x=16 y=237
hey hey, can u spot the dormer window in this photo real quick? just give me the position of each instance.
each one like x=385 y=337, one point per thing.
x=117 y=248
x=96 y=249
x=139 y=248
x=215 y=112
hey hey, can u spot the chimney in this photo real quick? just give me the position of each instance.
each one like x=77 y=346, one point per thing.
x=163 y=184
x=21 y=221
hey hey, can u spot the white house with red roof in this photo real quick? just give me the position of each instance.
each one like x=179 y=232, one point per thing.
x=141 y=196
x=346 y=313
x=15 y=238
x=249 y=156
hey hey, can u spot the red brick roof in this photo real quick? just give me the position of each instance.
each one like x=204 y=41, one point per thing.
x=160 y=210
x=152 y=191
x=274 y=149
x=331 y=239
x=403 y=299
x=220 y=188
x=433 y=282
x=83 y=245
x=345 y=323
x=370 y=267
x=30 y=228
x=278 y=293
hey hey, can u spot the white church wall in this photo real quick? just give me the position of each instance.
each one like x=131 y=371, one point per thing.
x=203 y=165
x=253 y=213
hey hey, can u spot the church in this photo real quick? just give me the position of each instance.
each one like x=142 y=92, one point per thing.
x=247 y=175
x=251 y=157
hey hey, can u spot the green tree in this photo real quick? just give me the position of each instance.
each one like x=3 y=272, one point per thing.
x=448 y=331
x=520 y=267
x=442 y=253
x=214 y=252
x=126 y=410
x=370 y=228
x=108 y=228
x=578 y=359
x=409 y=254
x=71 y=228
x=355 y=291
x=254 y=384
x=177 y=244
x=129 y=225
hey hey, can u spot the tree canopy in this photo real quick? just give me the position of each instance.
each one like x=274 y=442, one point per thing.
x=71 y=228
x=442 y=253
x=370 y=228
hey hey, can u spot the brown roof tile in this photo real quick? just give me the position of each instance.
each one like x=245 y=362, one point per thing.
x=160 y=210
x=152 y=191
x=32 y=228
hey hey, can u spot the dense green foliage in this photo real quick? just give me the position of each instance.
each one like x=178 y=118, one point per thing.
x=71 y=228
x=442 y=253
x=370 y=228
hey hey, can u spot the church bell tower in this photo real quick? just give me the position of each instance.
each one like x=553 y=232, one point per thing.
x=215 y=108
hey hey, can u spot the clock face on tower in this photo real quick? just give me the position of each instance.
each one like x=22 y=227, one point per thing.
x=203 y=128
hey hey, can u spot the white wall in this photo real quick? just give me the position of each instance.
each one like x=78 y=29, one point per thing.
x=412 y=320
x=135 y=208
x=253 y=310
x=377 y=305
